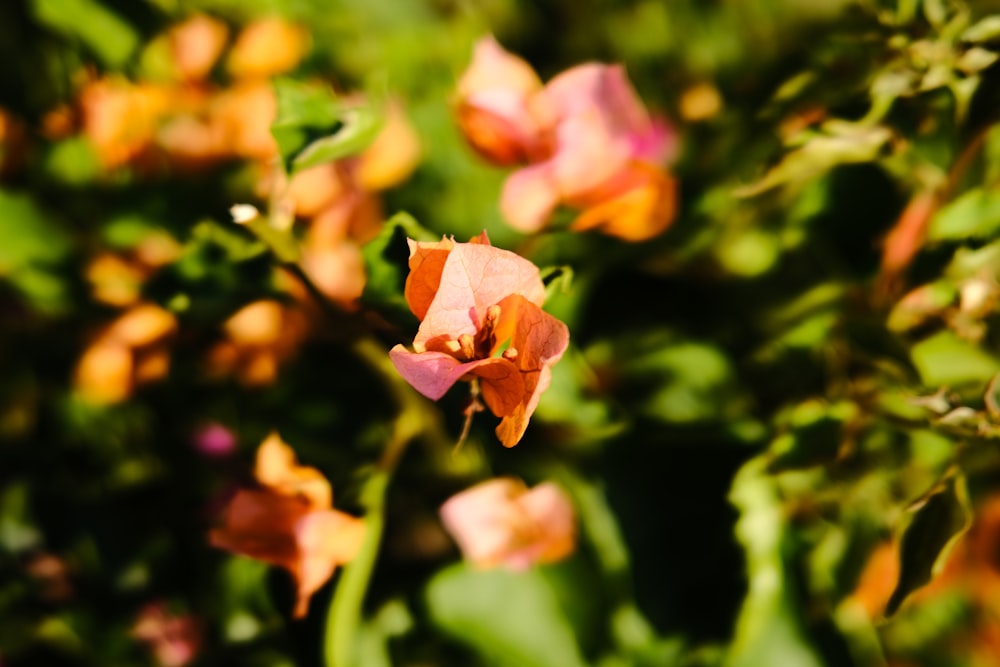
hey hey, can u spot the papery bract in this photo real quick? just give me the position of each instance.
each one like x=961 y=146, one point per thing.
x=493 y=97
x=501 y=523
x=290 y=522
x=259 y=338
x=131 y=351
x=481 y=317
x=585 y=139
x=267 y=47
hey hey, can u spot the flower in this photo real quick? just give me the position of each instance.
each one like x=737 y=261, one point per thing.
x=500 y=522
x=174 y=640
x=131 y=351
x=290 y=522
x=481 y=318
x=584 y=137
x=258 y=339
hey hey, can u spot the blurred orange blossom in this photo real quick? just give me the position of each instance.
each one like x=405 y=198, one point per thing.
x=290 y=522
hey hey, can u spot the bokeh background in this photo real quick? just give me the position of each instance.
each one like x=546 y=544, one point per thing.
x=777 y=420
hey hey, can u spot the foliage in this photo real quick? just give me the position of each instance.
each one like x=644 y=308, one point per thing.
x=771 y=436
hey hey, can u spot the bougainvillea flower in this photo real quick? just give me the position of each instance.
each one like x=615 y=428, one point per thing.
x=267 y=47
x=120 y=118
x=174 y=640
x=481 y=318
x=196 y=44
x=585 y=139
x=131 y=351
x=290 y=522
x=501 y=523
x=493 y=105
x=258 y=339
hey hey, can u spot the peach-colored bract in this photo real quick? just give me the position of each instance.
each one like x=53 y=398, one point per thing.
x=290 y=522
x=501 y=523
x=584 y=138
x=481 y=317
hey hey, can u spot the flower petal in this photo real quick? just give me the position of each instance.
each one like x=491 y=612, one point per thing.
x=476 y=276
x=539 y=340
x=279 y=470
x=640 y=204
x=325 y=540
x=433 y=373
x=482 y=519
x=529 y=197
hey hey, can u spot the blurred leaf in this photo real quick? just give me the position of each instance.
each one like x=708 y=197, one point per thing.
x=984 y=30
x=769 y=628
x=386 y=265
x=72 y=161
x=101 y=30
x=974 y=214
x=17 y=531
x=30 y=247
x=814 y=435
x=940 y=519
x=945 y=359
x=313 y=127
x=392 y=620
x=511 y=619
x=574 y=401
x=843 y=143
x=688 y=381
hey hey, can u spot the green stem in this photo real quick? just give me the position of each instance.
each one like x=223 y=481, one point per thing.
x=412 y=420
x=344 y=615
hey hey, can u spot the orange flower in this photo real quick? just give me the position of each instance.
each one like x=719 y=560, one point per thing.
x=585 y=137
x=259 y=337
x=481 y=318
x=196 y=44
x=290 y=522
x=267 y=47
x=120 y=118
x=501 y=522
x=130 y=352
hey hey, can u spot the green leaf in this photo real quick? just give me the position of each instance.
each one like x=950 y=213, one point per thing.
x=985 y=30
x=769 y=629
x=72 y=161
x=690 y=381
x=512 y=619
x=386 y=265
x=945 y=359
x=313 y=127
x=974 y=214
x=17 y=530
x=939 y=520
x=102 y=31
x=814 y=435
x=31 y=245
x=842 y=143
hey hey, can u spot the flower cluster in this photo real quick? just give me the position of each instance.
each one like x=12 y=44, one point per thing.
x=584 y=138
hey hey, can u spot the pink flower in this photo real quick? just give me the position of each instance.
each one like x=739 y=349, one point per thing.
x=214 y=440
x=585 y=138
x=174 y=640
x=481 y=318
x=501 y=523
